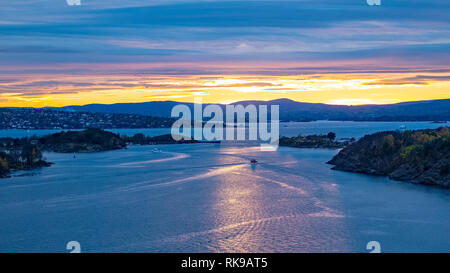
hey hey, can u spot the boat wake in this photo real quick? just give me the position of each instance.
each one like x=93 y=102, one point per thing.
x=176 y=156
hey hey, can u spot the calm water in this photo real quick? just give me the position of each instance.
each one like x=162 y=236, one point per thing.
x=343 y=129
x=208 y=198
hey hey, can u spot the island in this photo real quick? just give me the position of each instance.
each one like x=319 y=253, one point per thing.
x=98 y=140
x=141 y=139
x=86 y=141
x=421 y=157
x=26 y=153
x=327 y=141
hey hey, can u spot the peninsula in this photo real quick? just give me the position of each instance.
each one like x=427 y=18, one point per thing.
x=421 y=157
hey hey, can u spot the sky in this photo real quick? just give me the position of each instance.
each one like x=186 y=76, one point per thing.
x=322 y=51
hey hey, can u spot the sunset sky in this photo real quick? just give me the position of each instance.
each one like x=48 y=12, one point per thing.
x=328 y=51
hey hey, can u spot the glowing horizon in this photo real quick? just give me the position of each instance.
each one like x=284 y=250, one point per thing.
x=328 y=89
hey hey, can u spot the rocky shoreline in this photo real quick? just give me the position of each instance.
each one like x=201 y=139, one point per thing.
x=37 y=165
x=420 y=157
x=19 y=154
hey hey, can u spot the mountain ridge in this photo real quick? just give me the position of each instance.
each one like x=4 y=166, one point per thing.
x=429 y=110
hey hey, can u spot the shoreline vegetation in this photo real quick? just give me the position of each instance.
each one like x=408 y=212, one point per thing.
x=20 y=155
x=26 y=153
x=420 y=157
x=327 y=141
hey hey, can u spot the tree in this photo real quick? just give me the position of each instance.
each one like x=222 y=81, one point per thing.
x=27 y=153
x=4 y=166
x=138 y=138
x=331 y=135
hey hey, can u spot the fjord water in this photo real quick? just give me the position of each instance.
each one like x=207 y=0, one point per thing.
x=343 y=129
x=208 y=198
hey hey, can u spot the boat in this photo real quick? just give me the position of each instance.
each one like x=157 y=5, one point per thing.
x=253 y=161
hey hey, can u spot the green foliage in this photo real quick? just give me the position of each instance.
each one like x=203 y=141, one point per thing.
x=312 y=141
x=385 y=152
x=388 y=143
x=19 y=154
x=89 y=140
x=138 y=139
x=405 y=152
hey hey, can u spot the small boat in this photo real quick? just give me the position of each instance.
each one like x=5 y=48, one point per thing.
x=253 y=161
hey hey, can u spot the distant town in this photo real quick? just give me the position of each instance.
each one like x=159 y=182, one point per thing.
x=31 y=118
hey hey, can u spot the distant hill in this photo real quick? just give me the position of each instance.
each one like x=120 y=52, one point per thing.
x=434 y=110
x=157 y=108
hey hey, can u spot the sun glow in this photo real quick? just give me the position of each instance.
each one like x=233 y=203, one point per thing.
x=351 y=102
x=61 y=90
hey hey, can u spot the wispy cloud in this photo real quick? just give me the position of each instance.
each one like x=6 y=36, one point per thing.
x=416 y=80
x=113 y=45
